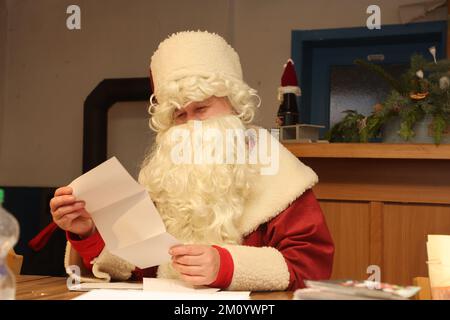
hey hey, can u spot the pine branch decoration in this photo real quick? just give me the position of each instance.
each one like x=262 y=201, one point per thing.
x=423 y=90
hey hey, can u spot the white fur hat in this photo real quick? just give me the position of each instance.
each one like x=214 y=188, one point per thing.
x=190 y=53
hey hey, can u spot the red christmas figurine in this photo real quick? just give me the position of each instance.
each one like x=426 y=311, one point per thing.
x=287 y=95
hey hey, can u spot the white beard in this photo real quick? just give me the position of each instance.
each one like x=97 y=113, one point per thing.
x=199 y=203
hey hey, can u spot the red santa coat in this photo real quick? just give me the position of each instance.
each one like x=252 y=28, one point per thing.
x=285 y=238
x=299 y=233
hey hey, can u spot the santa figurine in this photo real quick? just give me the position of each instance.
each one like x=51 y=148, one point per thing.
x=241 y=228
x=287 y=95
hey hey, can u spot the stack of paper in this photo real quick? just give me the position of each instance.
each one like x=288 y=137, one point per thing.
x=104 y=294
x=88 y=286
x=160 y=289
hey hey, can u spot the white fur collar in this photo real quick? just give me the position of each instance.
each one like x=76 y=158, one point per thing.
x=271 y=194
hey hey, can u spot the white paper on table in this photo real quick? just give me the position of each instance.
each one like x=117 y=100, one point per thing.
x=174 y=286
x=438 y=260
x=87 y=286
x=124 y=215
x=104 y=294
x=437 y=249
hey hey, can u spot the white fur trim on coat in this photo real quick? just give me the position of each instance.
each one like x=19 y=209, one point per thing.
x=106 y=267
x=271 y=194
x=258 y=269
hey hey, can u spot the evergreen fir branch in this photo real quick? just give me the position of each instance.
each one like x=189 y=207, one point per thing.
x=373 y=125
x=347 y=129
x=394 y=103
x=418 y=62
x=442 y=66
x=427 y=106
x=411 y=98
x=439 y=125
x=386 y=76
x=406 y=131
x=405 y=83
x=409 y=116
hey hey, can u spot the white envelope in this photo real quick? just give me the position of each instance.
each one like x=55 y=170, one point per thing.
x=124 y=215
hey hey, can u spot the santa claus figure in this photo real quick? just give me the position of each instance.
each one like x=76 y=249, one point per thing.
x=242 y=228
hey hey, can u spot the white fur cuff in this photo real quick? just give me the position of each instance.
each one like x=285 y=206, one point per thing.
x=105 y=267
x=107 y=264
x=258 y=269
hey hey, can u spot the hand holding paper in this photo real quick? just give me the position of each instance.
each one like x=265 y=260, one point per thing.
x=124 y=214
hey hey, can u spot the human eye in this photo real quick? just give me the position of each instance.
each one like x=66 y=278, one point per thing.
x=201 y=109
x=179 y=115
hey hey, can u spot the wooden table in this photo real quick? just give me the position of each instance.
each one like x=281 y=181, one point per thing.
x=55 y=288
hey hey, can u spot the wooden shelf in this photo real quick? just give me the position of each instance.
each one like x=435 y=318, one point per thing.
x=369 y=150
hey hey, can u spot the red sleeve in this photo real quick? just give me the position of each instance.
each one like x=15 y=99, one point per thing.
x=302 y=236
x=140 y=274
x=91 y=247
x=226 y=269
x=88 y=248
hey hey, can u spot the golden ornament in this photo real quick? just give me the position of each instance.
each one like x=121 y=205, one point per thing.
x=418 y=95
x=378 y=107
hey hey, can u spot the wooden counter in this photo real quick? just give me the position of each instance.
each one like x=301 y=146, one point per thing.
x=380 y=202
x=369 y=150
x=30 y=287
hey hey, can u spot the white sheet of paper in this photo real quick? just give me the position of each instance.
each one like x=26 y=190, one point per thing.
x=104 y=294
x=437 y=248
x=124 y=215
x=174 y=286
x=87 y=286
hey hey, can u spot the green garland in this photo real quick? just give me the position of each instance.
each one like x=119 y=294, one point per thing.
x=424 y=89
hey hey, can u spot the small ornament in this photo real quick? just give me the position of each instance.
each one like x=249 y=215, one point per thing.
x=420 y=85
x=419 y=74
x=418 y=95
x=432 y=50
x=362 y=123
x=444 y=82
x=378 y=107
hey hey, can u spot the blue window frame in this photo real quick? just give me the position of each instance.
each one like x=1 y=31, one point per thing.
x=316 y=51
